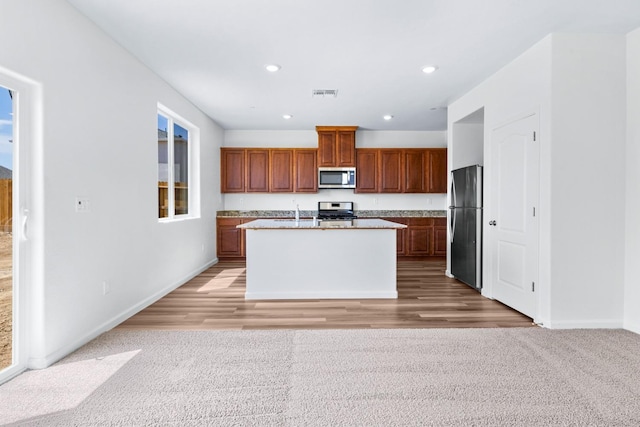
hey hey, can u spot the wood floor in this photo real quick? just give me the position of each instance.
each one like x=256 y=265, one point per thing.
x=427 y=299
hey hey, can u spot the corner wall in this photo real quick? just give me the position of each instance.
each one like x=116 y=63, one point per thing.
x=587 y=164
x=632 y=231
x=99 y=107
x=576 y=83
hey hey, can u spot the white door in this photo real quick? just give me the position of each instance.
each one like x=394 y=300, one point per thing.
x=16 y=121
x=513 y=221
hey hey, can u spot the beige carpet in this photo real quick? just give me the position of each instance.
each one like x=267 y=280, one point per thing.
x=441 y=377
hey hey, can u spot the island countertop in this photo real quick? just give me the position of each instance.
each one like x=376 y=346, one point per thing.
x=356 y=224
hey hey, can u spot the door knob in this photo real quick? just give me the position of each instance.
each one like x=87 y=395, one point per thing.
x=492 y=223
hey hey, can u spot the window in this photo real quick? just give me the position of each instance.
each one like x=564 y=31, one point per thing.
x=175 y=146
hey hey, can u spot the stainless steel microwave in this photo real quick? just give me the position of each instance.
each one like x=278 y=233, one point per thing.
x=336 y=177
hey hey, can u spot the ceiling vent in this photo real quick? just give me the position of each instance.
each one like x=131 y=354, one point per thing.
x=324 y=92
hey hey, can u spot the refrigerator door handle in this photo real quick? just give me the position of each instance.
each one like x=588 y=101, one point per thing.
x=453 y=191
x=452 y=225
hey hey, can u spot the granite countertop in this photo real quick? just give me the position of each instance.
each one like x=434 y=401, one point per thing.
x=311 y=214
x=359 y=224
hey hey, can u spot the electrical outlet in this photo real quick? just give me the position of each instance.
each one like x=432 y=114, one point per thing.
x=375 y=200
x=82 y=204
x=105 y=288
x=428 y=201
x=203 y=248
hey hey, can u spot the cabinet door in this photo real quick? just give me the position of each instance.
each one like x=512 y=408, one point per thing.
x=390 y=179
x=305 y=171
x=257 y=170
x=440 y=236
x=345 y=148
x=401 y=237
x=232 y=172
x=437 y=171
x=281 y=170
x=366 y=171
x=420 y=237
x=414 y=171
x=229 y=238
x=326 y=148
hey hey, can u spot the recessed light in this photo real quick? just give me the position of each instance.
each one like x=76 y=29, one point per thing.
x=272 y=68
x=387 y=117
x=429 y=69
x=287 y=116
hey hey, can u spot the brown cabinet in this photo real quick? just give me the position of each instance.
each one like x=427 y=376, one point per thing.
x=423 y=237
x=401 y=235
x=414 y=170
x=366 y=170
x=440 y=237
x=390 y=171
x=229 y=238
x=268 y=170
x=232 y=170
x=305 y=171
x=336 y=146
x=420 y=237
x=401 y=170
x=281 y=170
x=257 y=165
x=437 y=168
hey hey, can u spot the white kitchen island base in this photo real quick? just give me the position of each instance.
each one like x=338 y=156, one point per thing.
x=321 y=263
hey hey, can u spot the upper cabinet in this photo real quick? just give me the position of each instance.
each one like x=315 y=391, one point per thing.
x=437 y=167
x=257 y=172
x=289 y=170
x=281 y=170
x=390 y=171
x=232 y=170
x=336 y=146
x=305 y=170
x=401 y=170
x=367 y=170
x=268 y=170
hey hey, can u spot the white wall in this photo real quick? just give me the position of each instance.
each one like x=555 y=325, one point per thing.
x=364 y=139
x=468 y=148
x=522 y=87
x=588 y=159
x=632 y=232
x=98 y=131
x=576 y=85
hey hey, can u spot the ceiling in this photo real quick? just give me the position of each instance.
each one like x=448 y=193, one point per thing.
x=371 y=51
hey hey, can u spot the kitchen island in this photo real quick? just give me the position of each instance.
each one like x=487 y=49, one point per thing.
x=306 y=259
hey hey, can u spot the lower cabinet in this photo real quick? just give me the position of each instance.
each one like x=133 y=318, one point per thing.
x=230 y=240
x=423 y=237
x=440 y=237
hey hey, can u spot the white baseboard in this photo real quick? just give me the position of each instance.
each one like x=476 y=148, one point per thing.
x=585 y=324
x=321 y=295
x=51 y=358
x=632 y=326
x=448 y=274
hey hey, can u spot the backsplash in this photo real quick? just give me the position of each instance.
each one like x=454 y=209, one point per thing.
x=309 y=202
x=312 y=213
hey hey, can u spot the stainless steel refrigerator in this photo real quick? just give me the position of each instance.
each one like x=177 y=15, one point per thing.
x=465 y=225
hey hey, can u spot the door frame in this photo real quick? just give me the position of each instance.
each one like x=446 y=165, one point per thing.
x=27 y=227
x=491 y=211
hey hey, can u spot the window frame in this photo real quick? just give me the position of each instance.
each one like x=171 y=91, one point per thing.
x=193 y=145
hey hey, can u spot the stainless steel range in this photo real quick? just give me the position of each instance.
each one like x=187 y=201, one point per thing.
x=336 y=212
